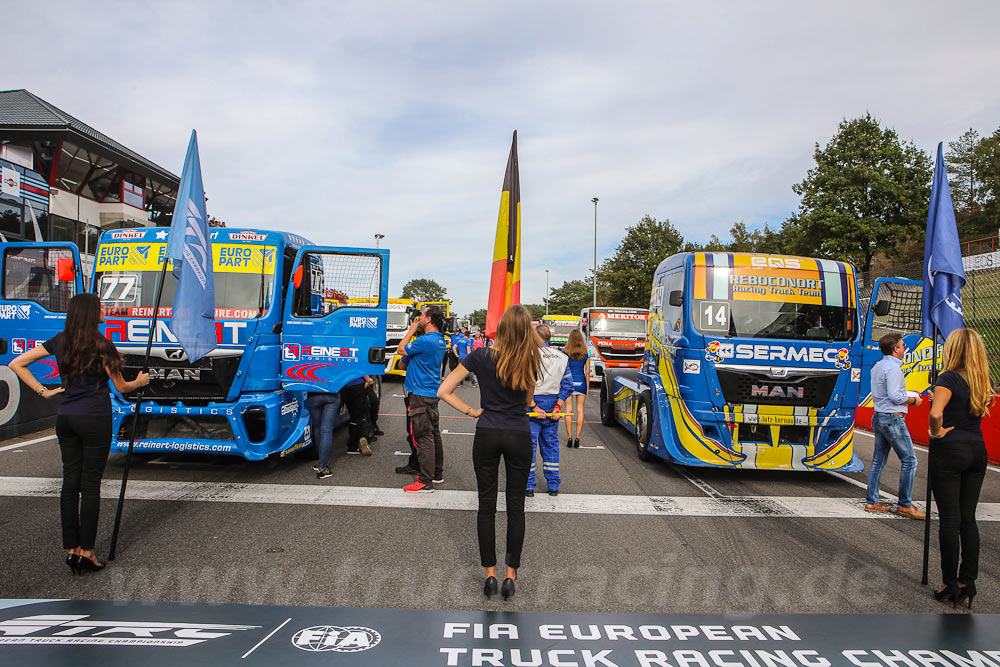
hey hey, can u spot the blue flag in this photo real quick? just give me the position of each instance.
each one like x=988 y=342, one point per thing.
x=944 y=275
x=190 y=249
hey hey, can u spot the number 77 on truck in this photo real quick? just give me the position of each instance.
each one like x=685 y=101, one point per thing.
x=751 y=362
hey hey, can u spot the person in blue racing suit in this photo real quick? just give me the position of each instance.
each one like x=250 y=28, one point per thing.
x=551 y=391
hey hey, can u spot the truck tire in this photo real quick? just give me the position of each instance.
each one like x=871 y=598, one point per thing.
x=608 y=401
x=644 y=427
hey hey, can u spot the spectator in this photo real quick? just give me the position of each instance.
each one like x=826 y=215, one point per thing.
x=323 y=410
x=962 y=395
x=506 y=375
x=889 y=424
x=579 y=367
x=355 y=397
x=553 y=388
x=86 y=361
x=423 y=377
x=374 y=405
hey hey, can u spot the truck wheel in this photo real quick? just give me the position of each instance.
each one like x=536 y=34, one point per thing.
x=643 y=427
x=607 y=404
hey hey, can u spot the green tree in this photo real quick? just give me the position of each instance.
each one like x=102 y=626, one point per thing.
x=962 y=176
x=537 y=310
x=987 y=159
x=628 y=274
x=424 y=289
x=478 y=318
x=764 y=241
x=867 y=194
x=575 y=295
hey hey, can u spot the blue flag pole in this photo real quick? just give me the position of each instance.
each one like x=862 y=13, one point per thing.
x=193 y=311
x=941 y=305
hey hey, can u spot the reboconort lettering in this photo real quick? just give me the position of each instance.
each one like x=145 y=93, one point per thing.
x=774 y=281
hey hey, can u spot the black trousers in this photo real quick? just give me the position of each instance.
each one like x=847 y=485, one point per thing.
x=487 y=448
x=85 y=442
x=374 y=405
x=957 y=472
x=356 y=400
x=425 y=431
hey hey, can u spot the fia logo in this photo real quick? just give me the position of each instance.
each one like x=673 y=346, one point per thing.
x=290 y=352
x=350 y=639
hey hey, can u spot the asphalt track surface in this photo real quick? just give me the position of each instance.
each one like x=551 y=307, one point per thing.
x=220 y=529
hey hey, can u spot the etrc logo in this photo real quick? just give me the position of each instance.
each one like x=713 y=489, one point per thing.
x=349 y=639
x=76 y=630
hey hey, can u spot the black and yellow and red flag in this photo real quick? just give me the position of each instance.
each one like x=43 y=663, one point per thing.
x=505 y=275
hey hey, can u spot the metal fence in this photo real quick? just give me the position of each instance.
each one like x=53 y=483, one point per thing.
x=980 y=298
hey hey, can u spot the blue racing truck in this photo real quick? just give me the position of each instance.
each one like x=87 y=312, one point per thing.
x=291 y=318
x=752 y=361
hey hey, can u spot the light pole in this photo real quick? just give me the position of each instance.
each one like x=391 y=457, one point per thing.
x=378 y=238
x=546 y=291
x=595 y=250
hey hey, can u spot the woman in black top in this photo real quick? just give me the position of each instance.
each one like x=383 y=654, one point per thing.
x=506 y=374
x=962 y=396
x=86 y=361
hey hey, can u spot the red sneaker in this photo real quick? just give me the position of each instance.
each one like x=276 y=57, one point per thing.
x=419 y=487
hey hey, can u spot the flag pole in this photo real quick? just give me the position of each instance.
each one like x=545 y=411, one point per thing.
x=927 y=507
x=135 y=415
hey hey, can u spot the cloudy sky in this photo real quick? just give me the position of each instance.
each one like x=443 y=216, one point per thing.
x=339 y=120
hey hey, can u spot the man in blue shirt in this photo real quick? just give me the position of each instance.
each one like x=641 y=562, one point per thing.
x=423 y=377
x=462 y=346
x=889 y=424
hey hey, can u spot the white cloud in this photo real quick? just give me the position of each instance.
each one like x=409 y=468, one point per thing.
x=342 y=120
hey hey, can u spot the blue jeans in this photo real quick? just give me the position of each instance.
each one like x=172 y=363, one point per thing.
x=890 y=432
x=323 y=409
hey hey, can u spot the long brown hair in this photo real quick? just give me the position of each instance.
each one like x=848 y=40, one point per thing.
x=83 y=344
x=964 y=352
x=516 y=350
x=575 y=348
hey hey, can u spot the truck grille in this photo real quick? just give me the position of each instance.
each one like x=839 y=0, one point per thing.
x=207 y=379
x=622 y=355
x=753 y=388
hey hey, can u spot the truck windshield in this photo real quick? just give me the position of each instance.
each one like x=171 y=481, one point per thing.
x=133 y=293
x=397 y=318
x=614 y=324
x=773 y=319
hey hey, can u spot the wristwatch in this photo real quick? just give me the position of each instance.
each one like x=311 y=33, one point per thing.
x=40 y=390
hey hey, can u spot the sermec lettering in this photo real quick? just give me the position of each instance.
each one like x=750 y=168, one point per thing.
x=324 y=351
x=813 y=355
x=775 y=262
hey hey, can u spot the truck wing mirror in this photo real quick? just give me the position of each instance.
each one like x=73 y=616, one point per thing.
x=676 y=298
x=64 y=269
x=882 y=308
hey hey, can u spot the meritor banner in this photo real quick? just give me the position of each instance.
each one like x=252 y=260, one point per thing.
x=131 y=633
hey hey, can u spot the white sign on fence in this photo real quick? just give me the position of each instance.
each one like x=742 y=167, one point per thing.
x=983 y=262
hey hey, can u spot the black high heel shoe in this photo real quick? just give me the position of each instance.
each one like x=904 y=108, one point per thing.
x=507 y=590
x=947 y=594
x=89 y=566
x=490 y=587
x=73 y=561
x=966 y=593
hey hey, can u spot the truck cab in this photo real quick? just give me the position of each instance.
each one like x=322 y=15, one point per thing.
x=291 y=318
x=752 y=362
x=616 y=338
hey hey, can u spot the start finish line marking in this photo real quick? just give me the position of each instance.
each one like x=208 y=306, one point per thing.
x=567 y=503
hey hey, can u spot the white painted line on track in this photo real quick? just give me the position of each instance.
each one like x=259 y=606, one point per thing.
x=704 y=486
x=920 y=448
x=445 y=431
x=860 y=485
x=28 y=442
x=399 y=453
x=265 y=639
x=564 y=503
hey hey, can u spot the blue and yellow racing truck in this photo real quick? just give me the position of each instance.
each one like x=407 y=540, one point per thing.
x=291 y=318
x=752 y=361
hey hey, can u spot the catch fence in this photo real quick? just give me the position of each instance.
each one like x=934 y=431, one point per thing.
x=980 y=297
